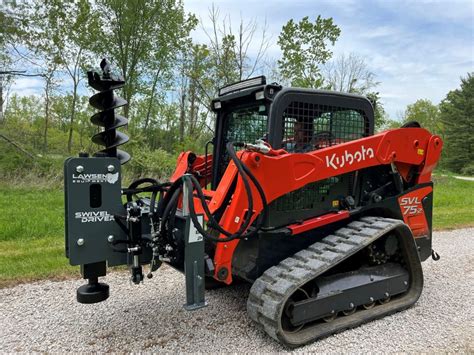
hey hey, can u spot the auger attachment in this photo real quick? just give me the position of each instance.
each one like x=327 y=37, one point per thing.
x=106 y=101
x=90 y=235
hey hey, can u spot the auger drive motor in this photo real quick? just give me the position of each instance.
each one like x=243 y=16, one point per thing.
x=328 y=221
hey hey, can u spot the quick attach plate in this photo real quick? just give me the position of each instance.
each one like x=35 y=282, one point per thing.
x=92 y=189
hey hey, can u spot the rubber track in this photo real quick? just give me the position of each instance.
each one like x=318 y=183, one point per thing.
x=270 y=292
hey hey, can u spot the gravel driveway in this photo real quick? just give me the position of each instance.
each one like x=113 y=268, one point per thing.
x=44 y=316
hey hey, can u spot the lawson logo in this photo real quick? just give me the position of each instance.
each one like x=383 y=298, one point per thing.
x=339 y=161
x=88 y=178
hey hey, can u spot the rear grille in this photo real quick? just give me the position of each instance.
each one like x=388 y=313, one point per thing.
x=307 y=197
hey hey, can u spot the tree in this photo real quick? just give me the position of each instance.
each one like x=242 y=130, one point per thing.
x=143 y=37
x=389 y=124
x=426 y=114
x=196 y=89
x=8 y=33
x=50 y=84
x=62 y=33
x=230 y=49
x=349 y=73
x=382 y=120
x=199 y=80
x=305 y=47
x=457 y=117
x=233 y=53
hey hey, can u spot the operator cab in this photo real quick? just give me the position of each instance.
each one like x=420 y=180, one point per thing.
x=295 y=119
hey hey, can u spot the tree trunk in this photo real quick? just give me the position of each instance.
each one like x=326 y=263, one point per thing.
x=128 y=97
x=1 y=100
x=182 y=117
x=46 y=112
x=192 y=110
x=150 y=102
x=73 y=113
x=17 y=146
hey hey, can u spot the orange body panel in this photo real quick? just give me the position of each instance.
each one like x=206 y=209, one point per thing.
x=280 y=173
x=413 y=211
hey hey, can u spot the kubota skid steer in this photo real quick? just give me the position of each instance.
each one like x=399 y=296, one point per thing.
x=329 y=221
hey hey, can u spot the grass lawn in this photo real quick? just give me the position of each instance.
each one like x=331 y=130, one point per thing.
x=32 y=231
x=32 y=235
x=453 y=203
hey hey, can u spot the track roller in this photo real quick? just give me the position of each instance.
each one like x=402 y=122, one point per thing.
x=338 y=300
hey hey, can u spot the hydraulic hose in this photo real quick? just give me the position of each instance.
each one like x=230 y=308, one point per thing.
x=212 y=222
x=169 y=207
x=170 y=200
x=263 y=216
x=197 y=225
x=192 y=183
x=132 y=188
x=166 y=200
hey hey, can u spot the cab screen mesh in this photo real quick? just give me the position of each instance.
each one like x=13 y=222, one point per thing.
x=308 y=126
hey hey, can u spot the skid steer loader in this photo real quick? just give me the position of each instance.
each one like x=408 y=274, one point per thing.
x=328 y=221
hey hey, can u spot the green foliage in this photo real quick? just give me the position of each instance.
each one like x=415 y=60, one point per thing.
x=70 y=27
x=426 y=114
x=144 y=38
x=157 y=163
x=193 y=144
x=389 y=124
x=24 y=123
x=197 y=77
x=227 y=70
x=382 y=121
x=11 y=159
x=61 y=35
x=468 y=169
x=457 y=118
x=305 y=47
x=7 y=36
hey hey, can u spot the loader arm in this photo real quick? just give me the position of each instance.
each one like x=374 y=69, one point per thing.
x=410 y=146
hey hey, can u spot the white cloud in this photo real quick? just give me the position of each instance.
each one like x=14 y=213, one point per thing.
x=381 y=31
x=25 y=86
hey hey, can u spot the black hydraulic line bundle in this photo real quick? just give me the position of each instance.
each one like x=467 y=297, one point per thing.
x=193 y=184
x=168 y=202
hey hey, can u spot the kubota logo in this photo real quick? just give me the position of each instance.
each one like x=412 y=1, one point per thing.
x=339 y=161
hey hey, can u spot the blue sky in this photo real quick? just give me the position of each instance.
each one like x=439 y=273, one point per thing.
x=417 y=49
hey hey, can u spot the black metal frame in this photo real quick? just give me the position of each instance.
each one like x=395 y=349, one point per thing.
x=316 y=97
x=277 y=101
